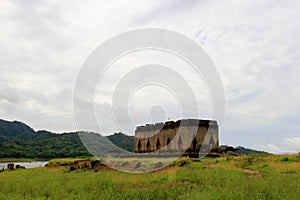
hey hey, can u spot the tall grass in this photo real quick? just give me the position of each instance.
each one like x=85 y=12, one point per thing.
x=244 y=177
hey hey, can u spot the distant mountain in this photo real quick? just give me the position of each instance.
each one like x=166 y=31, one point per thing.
x=18 y=140
x=242 y=150
x=15 y=130
x=123 y=141
x=246 y=151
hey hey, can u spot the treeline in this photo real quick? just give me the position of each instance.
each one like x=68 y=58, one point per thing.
x=18 y=140
x=243 y=151
x=60 y=146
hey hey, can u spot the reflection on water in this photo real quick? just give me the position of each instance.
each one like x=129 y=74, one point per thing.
x=25 y=164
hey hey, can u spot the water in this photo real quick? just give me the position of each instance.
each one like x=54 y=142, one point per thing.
x=25 y=164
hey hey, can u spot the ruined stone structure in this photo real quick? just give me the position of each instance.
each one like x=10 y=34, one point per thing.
x=82 y=164
x=10 y=166
x=185 y=134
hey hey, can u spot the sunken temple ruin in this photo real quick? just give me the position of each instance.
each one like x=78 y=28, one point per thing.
x=188 y=135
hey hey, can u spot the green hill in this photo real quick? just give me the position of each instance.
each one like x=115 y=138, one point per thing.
x=18 y=140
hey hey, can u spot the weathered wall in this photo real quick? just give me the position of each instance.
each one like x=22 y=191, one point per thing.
x=171 y=136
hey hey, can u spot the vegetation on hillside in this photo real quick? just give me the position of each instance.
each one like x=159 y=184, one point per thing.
x=244 y=151
x=17 y=140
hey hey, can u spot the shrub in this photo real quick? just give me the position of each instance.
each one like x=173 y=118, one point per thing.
x=284 y=159
x=182 y=161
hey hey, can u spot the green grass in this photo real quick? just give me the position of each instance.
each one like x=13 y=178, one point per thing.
x=243 y=177
x=4 y=160
x=65 y=161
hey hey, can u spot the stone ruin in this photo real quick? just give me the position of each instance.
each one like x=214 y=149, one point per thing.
x=187 y=135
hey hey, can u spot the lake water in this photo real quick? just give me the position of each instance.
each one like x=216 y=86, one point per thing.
x=25 y=164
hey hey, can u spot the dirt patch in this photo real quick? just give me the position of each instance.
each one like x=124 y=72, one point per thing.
x=253 y=173
x=169 y=170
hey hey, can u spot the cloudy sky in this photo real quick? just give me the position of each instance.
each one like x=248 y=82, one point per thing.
x=253 y=44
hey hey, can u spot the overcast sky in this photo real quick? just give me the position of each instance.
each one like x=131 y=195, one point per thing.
x=254 y=45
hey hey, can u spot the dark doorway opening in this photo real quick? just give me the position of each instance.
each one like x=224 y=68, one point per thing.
x=148 y=145
x=157 y=144
x=194 y=144
x=180 y=143
x=139 y=146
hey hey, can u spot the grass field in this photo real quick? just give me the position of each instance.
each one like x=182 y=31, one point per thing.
x=242 y=177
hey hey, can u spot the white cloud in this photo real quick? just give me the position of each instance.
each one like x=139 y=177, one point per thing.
x=270 y=148
x=293 y=143
x=254 y=45
x=288 y=145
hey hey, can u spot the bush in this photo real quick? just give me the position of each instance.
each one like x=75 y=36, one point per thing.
x=181 y=161
x=290 y=159
x=284 y=159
